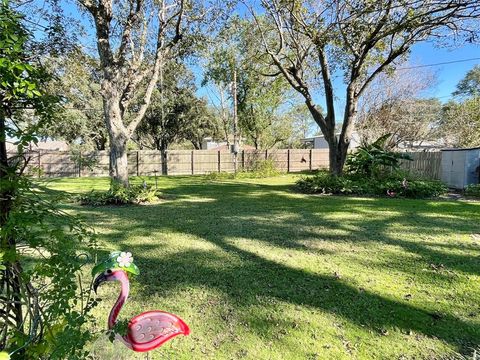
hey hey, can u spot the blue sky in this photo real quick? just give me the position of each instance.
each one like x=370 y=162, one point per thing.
x=449 y=74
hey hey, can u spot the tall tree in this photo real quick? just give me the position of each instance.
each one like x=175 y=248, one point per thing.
x=259 y=96
x=460 y=123
x=392 y=104
x=359 y=39
x=470 y=85
x=134 y=40
x=82 y=121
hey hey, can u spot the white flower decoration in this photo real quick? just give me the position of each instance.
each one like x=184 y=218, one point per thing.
x=125 y=259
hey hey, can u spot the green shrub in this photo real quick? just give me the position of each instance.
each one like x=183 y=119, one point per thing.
x=262 y=168
x=258 y=169
x=325 y=183
x=223 y=175
x=473 y=190
x=120 y=195
x=374 y=160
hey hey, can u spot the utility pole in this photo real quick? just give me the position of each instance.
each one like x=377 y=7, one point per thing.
x=163 y=153
x=235 y=120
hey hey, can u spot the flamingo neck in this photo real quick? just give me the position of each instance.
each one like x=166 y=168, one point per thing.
x=123 y=278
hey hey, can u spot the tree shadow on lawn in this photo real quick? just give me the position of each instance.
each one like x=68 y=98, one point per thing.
x=268 y=215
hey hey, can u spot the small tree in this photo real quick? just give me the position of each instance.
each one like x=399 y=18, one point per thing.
x=259 y=96
x=176 y=113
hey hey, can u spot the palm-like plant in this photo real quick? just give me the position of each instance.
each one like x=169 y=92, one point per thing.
x=374 y=159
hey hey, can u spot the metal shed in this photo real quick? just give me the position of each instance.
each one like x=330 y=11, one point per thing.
x=461 y=167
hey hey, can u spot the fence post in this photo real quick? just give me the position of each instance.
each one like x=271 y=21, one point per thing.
x=288 y=160
x=80 y=163
x=243 y=160
x=192 y=162
x=266 y=154
x=219 y=161
x=137 y=163
x=310 y=160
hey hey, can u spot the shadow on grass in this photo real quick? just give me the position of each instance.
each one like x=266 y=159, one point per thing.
x=270 y=215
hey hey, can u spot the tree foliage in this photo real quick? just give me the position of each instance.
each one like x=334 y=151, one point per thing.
x=469 y=86
x=43 y=306
x=176 y=113
x=356 y=40
x=259 y=96
x=82 y=121
x=460 y=124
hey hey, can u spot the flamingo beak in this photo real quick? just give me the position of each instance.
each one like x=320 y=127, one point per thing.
x=100 y=279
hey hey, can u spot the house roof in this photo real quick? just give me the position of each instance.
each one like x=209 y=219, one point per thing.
x=226 y=148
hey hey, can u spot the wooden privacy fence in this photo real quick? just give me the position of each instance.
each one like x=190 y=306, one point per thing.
x=424 y=164
x=196 y=162
x=177 y=162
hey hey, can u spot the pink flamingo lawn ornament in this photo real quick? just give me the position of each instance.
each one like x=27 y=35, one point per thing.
x=148 y=330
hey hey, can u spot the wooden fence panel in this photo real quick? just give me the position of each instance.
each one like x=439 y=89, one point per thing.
x=58 y=164
x=179 y=162
x=299 y=160
x=149 y=162
x=320 y=159
x=279 y=157
x=205 y=162
x=98 y=162
x=424 y=164
x=227 y=161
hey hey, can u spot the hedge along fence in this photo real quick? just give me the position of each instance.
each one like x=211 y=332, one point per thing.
x=176 y=162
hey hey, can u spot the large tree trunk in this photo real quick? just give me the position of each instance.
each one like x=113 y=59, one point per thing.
x=117 y=135
x=118 y=159
x=163 y=152
x=350 y=114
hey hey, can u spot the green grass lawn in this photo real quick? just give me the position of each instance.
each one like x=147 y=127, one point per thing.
x=261 y=272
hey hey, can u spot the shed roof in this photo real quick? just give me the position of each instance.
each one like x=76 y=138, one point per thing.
x=462 y=149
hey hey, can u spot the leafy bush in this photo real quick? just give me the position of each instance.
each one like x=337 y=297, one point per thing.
x=120 y=195
x=473 y=190
x=262 y=168
x=258 y=169
x=325 y=183
x=374 y=160
x=223 y=175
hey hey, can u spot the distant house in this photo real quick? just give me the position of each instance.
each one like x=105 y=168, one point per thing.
x=423 y=146
x=209 y=144
x=319 y=142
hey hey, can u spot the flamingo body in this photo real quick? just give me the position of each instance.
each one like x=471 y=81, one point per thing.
x=148 y=330
x=151 y=329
